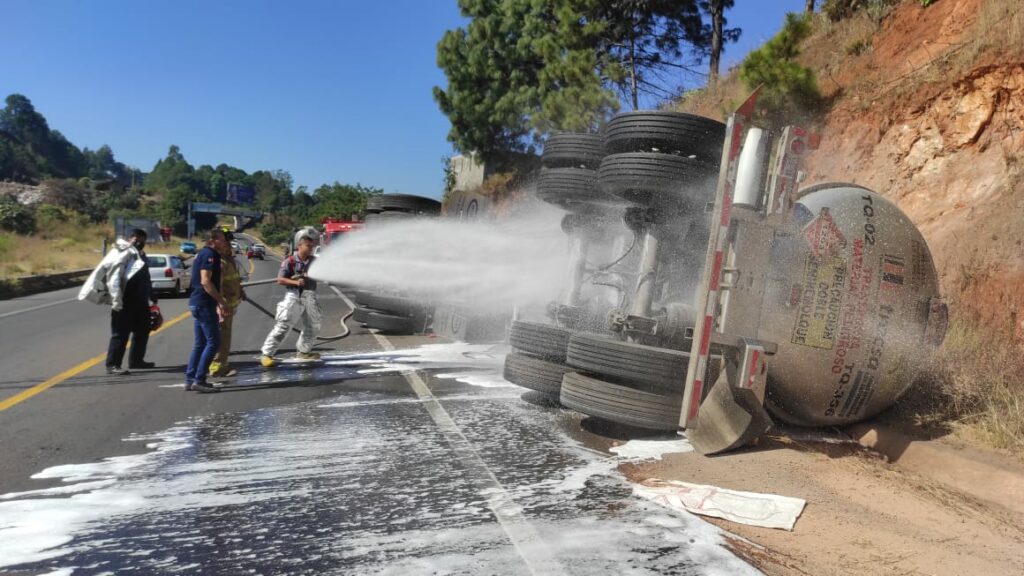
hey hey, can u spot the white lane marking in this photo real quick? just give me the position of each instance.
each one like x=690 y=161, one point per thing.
x=528 y=543
x=39 y=307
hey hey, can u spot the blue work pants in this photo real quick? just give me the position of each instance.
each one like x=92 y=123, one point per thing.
x=204 y=348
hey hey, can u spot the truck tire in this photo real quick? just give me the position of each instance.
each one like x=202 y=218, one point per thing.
x=404 y=202
x=568 y=187
x=395 y=305
x=620 y=404
x=648 y=178
x=573 y=150
x=539 y=340
x=390 y=323
x=360 y=296
x=534 y=373
x=649 y=366
x=361 y=314
x=667 y=132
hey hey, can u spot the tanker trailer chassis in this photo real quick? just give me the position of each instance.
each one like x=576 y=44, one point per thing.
x=819 y=304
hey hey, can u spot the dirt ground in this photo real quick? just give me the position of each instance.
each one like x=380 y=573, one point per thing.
x=941 y=509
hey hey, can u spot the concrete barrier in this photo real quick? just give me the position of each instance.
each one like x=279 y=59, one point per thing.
x=26 y=285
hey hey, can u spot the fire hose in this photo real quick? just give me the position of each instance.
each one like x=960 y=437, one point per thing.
x=345 y=330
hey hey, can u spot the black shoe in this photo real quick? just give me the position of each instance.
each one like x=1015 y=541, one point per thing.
x=142 y=365
x=117 y=371
x=203 y=387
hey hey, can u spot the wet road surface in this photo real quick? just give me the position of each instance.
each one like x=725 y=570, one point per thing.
x=443 y=471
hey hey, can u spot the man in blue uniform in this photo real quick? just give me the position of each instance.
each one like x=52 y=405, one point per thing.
x=208 y=307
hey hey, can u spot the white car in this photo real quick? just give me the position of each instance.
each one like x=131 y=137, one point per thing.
x=169 y=274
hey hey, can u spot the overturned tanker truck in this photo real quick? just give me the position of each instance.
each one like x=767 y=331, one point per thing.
x=812 y=307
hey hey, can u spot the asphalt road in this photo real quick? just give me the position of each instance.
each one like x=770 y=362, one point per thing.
x=86 y=416
x=370 y=463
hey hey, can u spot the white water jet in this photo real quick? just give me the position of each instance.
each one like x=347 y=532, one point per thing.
x=484 y=265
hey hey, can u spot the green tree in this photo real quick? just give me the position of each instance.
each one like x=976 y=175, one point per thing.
x=45 y=152
x=790 y=92
x=340 y=200
x=490 y=81
x=716 y=35
x=101 y=165
x=174 y=181
x=649 y=44
x=21 y=121
x=521 y=69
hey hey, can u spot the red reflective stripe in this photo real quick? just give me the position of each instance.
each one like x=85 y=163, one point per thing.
x=705 y=338
x=726 y=206
x=753 y=369
x=698 y=387
x=734 y=149
x=716 y=272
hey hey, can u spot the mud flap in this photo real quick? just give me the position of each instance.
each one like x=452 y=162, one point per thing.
x=732 y=414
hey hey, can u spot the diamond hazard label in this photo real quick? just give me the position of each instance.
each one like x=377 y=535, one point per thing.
x=822 y=234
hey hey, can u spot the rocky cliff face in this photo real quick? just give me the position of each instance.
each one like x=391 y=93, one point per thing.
x=944 y=140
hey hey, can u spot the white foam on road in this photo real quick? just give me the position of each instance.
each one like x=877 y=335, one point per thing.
x=284 y=464
x=652 y=449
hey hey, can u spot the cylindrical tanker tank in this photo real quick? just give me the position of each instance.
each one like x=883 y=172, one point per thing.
x=847 y=302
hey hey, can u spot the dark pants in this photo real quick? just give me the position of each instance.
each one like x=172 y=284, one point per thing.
x=129 y=321
x=204 y=348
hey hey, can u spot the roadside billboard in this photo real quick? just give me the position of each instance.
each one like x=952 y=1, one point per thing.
x=240 y=194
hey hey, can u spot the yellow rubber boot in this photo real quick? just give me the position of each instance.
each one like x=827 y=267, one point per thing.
x=268 y=361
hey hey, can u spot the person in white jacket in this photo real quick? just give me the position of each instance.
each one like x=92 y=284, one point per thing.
x=299 y=305
x=122 y=281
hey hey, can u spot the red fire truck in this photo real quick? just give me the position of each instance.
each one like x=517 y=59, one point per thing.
x=335 y=228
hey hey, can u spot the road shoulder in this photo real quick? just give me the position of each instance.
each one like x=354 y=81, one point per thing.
x=864 y=514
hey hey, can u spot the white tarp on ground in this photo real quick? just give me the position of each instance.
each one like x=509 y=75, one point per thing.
x=765 y=510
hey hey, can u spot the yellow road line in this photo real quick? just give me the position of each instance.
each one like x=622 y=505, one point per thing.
x=70 y=372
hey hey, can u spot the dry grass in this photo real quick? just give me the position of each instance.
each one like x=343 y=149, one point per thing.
x=975 y=386
x=62 y=247
x=834 y=47
x=999 y=30
x=68 y=246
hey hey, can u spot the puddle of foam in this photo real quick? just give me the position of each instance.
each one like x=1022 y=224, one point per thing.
x=651 y=449
x=480 y=379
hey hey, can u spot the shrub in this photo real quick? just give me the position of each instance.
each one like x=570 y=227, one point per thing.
x=15 y=217
x=837 y=10
x=790 y=93
x=48 y=216
x=7 y=243
x=274 y=233
x=858 y=47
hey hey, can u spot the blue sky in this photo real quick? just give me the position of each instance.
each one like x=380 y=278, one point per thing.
x=328 y=90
